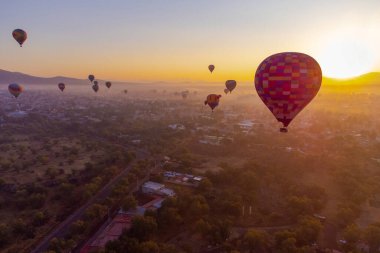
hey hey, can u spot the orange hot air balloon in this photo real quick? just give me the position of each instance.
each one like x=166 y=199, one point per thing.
x=108 y=84
x=212 y=100
x=61 y=86
x=226 y=91
x=20 y=36
x=230 y=85
x=211 y=68
x=15 y=89
x=286 y=83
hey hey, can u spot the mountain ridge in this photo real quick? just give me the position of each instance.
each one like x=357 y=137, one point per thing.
x=7 y=77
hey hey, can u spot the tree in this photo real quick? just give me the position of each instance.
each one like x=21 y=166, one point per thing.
x=285 y=242
x=256 y=241
x=128 y=203
x=124 y=244
x=169 y=217
x=300 y=205
x=308 y=230
x=352 y=235
x=78 y=227
x=143 y=228
x=5 y=235
x=372 y=237
x=96 y=211
x=345 y=216
x=168 y=248
x=149 y=247
x=39 y=218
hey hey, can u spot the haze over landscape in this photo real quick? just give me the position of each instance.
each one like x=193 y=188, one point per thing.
x=190 y=126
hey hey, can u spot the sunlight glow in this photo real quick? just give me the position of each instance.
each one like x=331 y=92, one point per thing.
x=345 y=57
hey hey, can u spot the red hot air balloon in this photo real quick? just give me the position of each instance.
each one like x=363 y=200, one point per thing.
x=230 y=85
x=15 y=89
x=61 y=86
x=20 y=36
x=212 y=100
x=286 y=83
x=211 y=68
x=108 y=84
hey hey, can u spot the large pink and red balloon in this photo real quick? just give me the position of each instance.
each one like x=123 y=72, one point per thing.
x=286 y=83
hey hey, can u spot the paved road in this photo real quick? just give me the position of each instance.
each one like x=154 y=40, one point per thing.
x=62 y=228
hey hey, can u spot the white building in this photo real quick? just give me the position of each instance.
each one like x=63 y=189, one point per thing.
x=156 y=188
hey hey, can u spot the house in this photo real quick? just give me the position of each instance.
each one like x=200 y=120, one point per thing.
x=211 y=140
x=182 y=179
x=177 y=127
x=156 y=188
x=245 y=124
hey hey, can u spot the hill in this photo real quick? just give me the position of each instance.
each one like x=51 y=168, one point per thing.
x=7 y=77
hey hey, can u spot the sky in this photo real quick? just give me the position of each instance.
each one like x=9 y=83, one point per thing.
x=175 y=40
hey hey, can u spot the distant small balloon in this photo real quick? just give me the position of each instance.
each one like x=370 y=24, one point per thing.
x=211 y=68
x=61 y=86
x=230 y=85
x=108 y=84
x=91 y=78
x=95 y=87
x=125 y=91
x=20 y=36
x=226 y=90
x=15 y=89
x=212 y=100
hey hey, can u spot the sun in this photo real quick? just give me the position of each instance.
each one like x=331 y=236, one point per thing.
x=345 y=57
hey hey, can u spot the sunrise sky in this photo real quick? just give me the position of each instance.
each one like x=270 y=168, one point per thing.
x=175 y=40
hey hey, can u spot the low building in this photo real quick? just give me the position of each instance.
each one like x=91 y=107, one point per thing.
x=177 y=127
x=109 y=232
x=211 y=140
x=182 y=179
x=156 y=188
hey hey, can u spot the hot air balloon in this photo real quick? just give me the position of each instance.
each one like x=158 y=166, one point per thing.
x=226 y=90
x=61 y=86
x=211 y=68
x=230 y=85
x=95 y=87
x=108 y=84
x=125 y=91
x=15 y=89
x=91 y=78
x=286 y=83
x=20 y=36
x=212 y=100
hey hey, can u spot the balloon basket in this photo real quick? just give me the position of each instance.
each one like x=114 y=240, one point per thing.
x=283 y=130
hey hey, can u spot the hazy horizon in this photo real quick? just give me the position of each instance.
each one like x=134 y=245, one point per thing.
x=176 y=41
